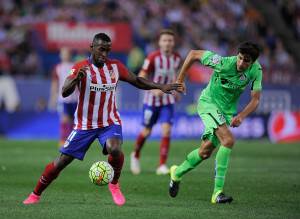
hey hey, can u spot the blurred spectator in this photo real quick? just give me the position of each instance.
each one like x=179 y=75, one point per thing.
x=9 y=96
x=135 y=59
x=290 y=12
x=66 y=106
x=216 y=25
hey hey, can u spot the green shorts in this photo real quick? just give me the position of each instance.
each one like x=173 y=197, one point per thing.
x=212 y=117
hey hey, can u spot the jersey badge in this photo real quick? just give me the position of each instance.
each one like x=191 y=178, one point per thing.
x=243 y=77
x=216 y=59
x=112 y=74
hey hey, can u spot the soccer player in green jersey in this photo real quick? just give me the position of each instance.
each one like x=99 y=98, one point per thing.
x=217 y=106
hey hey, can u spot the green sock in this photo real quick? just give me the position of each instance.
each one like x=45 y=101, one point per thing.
x=222 y=161
x=191 y=161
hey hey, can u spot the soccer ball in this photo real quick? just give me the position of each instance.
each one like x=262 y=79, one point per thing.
x=101 y=173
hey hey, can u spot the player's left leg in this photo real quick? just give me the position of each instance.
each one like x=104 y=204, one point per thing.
x=221 y=164
x=150 y=116
x=111 y=139
x=115 y=157
x=116 y=160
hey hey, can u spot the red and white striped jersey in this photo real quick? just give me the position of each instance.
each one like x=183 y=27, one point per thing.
x=96 y=107
x=60 y=73
x=161 y=69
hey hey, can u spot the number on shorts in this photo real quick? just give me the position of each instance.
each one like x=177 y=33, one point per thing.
x=71 y=136
x=147 y=116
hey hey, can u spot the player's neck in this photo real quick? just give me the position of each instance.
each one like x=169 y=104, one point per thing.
x=166 y=53
x=97 y=64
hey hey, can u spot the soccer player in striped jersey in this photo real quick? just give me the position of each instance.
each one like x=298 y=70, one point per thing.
x=160 y=66
x=66 y=106
x=217 y=106
x=96 y=116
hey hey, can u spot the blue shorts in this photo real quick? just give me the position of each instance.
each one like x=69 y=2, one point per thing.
x=67 y=108
x=151 y=114
x=79 y=141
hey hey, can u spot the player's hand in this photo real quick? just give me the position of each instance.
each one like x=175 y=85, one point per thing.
x=81 y=73
x=157 y=93
x=183 y=88
x=177 y=96
x=167 y=88
x=236 y=121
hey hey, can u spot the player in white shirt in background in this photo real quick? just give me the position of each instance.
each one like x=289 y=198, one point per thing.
x=65 y=106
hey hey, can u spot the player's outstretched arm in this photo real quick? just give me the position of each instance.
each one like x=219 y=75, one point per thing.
x=193 y=55
x=251 y=106
x=71 y=82
x=145 y=84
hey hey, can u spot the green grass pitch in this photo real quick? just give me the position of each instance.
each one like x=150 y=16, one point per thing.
x=263 y=178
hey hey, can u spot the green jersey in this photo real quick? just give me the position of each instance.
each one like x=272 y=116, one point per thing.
x=227 y=84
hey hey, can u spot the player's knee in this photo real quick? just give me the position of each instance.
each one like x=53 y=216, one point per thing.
x=113 y=146
x=205 y=154
x=228 y=142
x=65 y=118
x=166 y=133
x=166 y=130
x=114 y=150
x=146 y=132
x=63 y=161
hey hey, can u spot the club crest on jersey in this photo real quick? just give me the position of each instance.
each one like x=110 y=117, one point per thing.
x=71 y=71
x=102 y=87
x=112 y=74
x=216 y=59
x=242 y=77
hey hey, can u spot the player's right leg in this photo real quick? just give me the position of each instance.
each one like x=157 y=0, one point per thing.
x=150 y=116
x=75 y=146
x=50 y=173
x=192 y=160
x=135 y=166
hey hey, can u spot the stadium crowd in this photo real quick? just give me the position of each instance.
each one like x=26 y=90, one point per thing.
x=290 y=11
x=216 y=25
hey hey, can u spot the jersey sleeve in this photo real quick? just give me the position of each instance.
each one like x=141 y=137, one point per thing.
x=257 y=81
x=123 y=71
x=75 y=69
x=72 y=73
x=211 y=59
x=148 y=65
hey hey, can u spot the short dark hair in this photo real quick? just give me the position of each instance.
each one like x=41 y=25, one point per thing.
x=101 y=36
x=166 y=31
x=250 y=48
